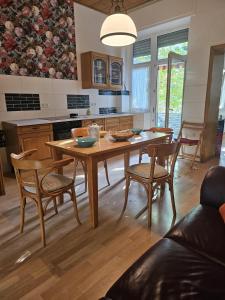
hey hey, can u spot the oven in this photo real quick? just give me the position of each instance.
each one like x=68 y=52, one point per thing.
x=62 y=130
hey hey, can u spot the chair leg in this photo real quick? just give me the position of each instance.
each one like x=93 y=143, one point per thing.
x=75 y=169
x=149 y=195
x=126 y=195
x=172 y=196
x=22 y=213
x=55 y=205
x=195 y=155
x=85 y=175
x=106 y=171
x=74 y=200
x=41 y=216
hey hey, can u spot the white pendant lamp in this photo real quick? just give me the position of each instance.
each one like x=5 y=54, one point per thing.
x=118 y=29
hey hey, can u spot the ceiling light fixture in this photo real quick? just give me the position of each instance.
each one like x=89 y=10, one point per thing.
x=118 y=29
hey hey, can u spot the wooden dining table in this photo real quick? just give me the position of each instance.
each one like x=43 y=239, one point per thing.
x=101 y=150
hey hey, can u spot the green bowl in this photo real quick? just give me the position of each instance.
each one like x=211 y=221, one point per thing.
x=86 y=141
x=136 y=130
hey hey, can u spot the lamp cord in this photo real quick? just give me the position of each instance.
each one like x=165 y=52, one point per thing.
x=118 y=6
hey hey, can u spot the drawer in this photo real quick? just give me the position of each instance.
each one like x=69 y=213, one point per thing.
x=99 y=121
x=88 y=122
x=34 y=128
x=112 y=127
x=126 y=119
x=111 y=121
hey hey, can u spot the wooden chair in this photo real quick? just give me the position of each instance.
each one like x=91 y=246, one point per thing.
x=82 y=132
x=151 y=175
x=37 y=187
x=187 y=138
x=166 y=130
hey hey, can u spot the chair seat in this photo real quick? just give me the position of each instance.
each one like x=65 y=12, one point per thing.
x=143 y=170
x=189 y=142
x=51 y=183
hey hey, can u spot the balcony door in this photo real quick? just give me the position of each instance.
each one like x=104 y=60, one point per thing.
x=171 y=78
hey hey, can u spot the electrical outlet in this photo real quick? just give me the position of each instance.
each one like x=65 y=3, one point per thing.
x=44 y=105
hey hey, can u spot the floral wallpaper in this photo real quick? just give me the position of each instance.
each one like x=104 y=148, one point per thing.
x=37 y=38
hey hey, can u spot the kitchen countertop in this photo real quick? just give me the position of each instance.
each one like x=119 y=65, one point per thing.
x=50 y=120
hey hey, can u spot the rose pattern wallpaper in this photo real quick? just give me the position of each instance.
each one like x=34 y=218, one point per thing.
x=37 y=38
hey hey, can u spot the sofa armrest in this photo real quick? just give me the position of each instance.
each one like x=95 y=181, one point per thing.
x=213 y=187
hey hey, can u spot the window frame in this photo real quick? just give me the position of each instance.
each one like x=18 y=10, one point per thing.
x=153 y=64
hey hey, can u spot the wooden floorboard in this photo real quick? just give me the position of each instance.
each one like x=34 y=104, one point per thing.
x=80 y=262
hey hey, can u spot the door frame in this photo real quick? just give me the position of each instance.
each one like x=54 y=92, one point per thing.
x=206 y=153
x=182 y=58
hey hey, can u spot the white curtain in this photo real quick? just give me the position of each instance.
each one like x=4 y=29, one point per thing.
x=140 y=89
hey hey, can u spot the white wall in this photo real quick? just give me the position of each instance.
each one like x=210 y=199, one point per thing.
x=53 y=91
x=207 y=28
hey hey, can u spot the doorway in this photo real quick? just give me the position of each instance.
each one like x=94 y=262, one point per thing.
x=170 y=92
x=211 y=116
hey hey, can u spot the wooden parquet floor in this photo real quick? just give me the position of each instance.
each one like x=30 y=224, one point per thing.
x=79 y=262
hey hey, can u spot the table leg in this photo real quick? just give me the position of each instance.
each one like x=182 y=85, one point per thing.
x=126 y=161
x=92 y=171
x=57 y=155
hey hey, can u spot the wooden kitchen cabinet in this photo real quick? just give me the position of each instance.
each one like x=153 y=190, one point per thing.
x=115 y=72
x=23 y=138
x=101 y=71
x=126 y=122
x=112 y=124
x=100 y=122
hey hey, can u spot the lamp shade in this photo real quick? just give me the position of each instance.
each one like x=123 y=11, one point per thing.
x=118 y=30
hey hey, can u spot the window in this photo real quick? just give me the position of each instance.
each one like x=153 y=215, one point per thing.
x=141 y=76
x=176 y=41
x=142 y=52
x=140 y=89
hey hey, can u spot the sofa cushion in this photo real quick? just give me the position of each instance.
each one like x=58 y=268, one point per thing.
x=203 y=230
x=167 y=271
x=213 y=187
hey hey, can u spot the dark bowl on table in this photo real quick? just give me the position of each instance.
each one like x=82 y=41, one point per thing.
x=85 y=142
x=136 y=130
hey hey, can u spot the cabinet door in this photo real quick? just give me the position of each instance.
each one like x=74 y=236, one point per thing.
x=115 y=72
x=126 y=123
x=100 y=122
x=112 y=124
x=100 y=71
x=37 y=141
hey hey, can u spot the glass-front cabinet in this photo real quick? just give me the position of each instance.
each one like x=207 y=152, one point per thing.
x=101 y=71
x=115 y=72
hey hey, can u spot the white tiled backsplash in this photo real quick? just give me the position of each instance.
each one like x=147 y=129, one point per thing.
x=53 y=96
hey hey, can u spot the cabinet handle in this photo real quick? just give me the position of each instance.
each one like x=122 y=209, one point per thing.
x=35 y=127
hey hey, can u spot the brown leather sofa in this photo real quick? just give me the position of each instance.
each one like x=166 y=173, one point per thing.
x=189 y=262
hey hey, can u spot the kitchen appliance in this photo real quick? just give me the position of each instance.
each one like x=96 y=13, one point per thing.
x=62 y=130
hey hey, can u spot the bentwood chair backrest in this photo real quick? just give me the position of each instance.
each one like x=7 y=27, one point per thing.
x=79 y=132
x=161 y=151
x=191 y=130
x=21 y=164
x=166 y=130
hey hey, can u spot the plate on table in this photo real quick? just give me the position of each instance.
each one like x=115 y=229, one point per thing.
x=122 y=135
